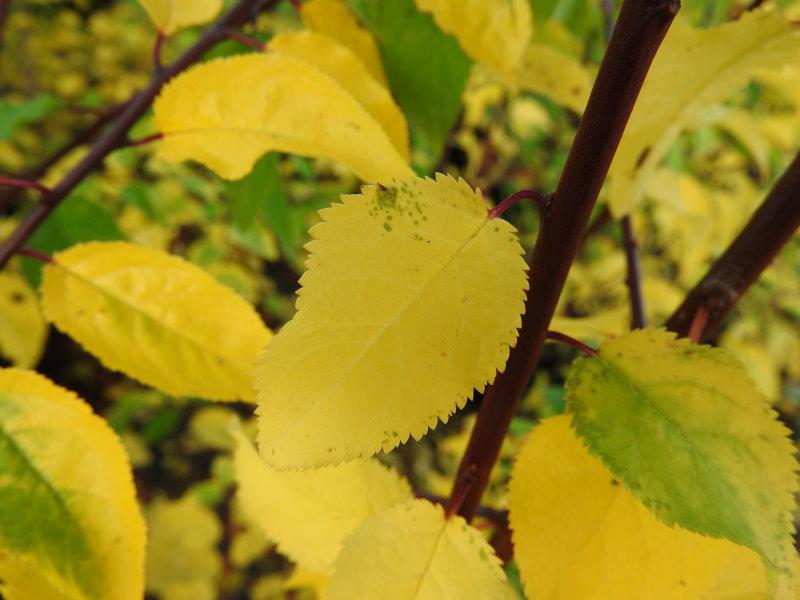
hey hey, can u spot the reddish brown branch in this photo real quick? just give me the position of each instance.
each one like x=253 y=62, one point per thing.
x=117 y=133
x=158 y=45
x=772 y=225
x=144 y=140
x=639 y=31
x=634 y=275
x=35 y=254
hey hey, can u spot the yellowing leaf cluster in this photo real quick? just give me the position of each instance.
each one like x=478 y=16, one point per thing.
x=674 y=97
x=155 y=317
x=411 y=299
x=70 y=526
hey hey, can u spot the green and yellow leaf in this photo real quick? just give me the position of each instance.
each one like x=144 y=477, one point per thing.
x=692 y=437
x=171 y=15
x=228 y=112
x=492 y=33
x=723 y=59
x=339 y=63
x=579 y=534
x=155 y=317
x=413 y=552
x=309 y=513
x=334 y=19
x=70 y=525
x=23 y=330
x=411 y=300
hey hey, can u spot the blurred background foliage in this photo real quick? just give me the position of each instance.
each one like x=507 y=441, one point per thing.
x=65 y=64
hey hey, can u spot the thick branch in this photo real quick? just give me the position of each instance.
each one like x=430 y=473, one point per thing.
x=634 y=277
x=640 y=29
x=769 y=229
x=117 y=133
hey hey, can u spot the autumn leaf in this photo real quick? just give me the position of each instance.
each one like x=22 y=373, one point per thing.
x=23 y=330
x=579 y=534
x=692 y=437
x=70 y=526
x=204 y=116
x=171 y=15
x=492 y=33
x=309 y=513
x=155 y=317
x=411 y=299
x=333 y=19
x=413 y=552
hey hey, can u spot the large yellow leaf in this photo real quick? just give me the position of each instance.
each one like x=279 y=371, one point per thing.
x=411 y=300
x=690 y=434
x=228 y=112
x=155 y=317
x=69 y=522
x=309 y=513
x=171 y=15
x=413 y=552
x=334 y=19
x=23 y=330
x=557 y=75
x=494 y=33
x=338 y=62
x=673 y=97
x=579 y=534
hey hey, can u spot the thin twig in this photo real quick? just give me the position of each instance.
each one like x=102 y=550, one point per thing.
x=117 y=134
x=468 y=478
x=24 y=184
x=698 y=325
x=772 y=225
x=498 y=517
x=557 y=336
x=35 y=254
x=246 y=40
x=541 y=200
x=144 y=140
x=634 y=276
x=83 y=137
x=638 y=34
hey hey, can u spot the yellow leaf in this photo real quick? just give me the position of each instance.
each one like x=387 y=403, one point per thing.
x=492 y=33
x=309 y=513
x=155 y=317
x=69 y=520
x=171 y=15
x=579 y=534
x=334 y=19
x=339 y=63
x=182 y=559
x=690 y=434
x=226 y=113
x=557 y=75
x=413 y=552
x=722 y=59
x=23 y=330
x=411 y=300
